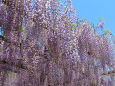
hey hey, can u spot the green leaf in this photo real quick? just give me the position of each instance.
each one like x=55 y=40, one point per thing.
x=61 y=70
x=73 y=26
x=100 y=19
x=106 y=31
x=18 y=28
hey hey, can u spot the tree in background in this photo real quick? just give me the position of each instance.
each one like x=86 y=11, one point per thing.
x=43 y=44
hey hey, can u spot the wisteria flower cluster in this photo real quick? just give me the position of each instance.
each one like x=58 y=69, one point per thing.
x=42 y=43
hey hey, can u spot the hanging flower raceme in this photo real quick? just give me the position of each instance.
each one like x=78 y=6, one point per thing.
x=55 y=48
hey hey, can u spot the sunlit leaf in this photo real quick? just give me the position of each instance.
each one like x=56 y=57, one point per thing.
x=106 y=32
x=61 y=70
x=73 y=24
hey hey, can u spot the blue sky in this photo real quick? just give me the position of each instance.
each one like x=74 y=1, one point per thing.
x=91 y=9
